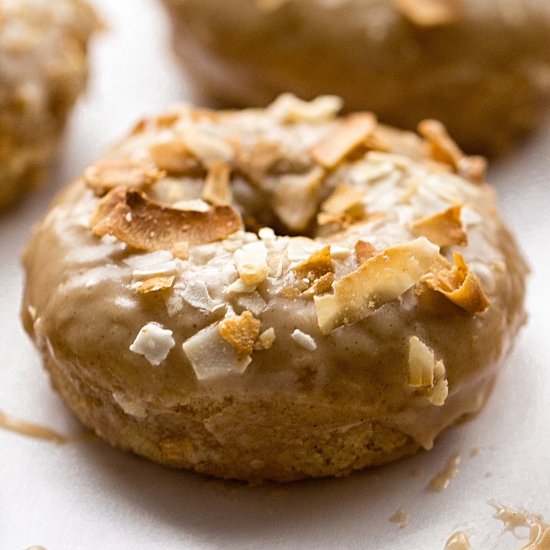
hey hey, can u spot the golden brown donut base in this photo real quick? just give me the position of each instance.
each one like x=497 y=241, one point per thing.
x=328 y=394
x=285 y=448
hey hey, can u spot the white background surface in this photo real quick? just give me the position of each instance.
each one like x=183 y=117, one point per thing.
x=84 y=495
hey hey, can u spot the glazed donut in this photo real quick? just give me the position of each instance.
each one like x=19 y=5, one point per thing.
x=480 y=66
x=274 y=294
x=43 y=69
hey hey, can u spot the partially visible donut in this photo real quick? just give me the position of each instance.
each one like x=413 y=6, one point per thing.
x=480 y=66
x=43 y=69
x=274 y=294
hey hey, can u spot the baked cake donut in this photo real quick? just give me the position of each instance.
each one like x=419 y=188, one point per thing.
x=43 y=69
x=274 y=294
x=480 y=66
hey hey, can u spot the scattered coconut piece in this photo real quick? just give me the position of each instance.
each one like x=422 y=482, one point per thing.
x=152 y=226
x=265 y=339
x=241 y=331
x=381 y=279
x=289 y=108
x=345 y=205
x=211 y=356
x=304 y=340
x=239 y=287
x=216 y=187
x=295 y=198
x=251 y=261
x=107 y=174
x=444 y=149
x=426 y=373
x=152 y=272
x=431 y=13
x=252 y=301
x=144 y=266
x=457 y=283
x=154 y=284
x=444 y=228
x=364 y=251
x=174 y=157
x=154 y=342
x=347 y=136
x=195 y=293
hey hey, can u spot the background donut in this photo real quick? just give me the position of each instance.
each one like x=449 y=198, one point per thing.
x=43 y=69
x=480 y=66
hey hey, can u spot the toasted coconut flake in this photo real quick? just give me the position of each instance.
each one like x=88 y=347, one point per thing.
x=426 y=373
x=295 y=198
x=348 y=135
x=364 y=251
x=181 y=250
x=152 y=226
x=473 y=168
x=290 y=292
x=431 y=13
x=440 y=391
x=211 y=356
x=322 y=284
x=256 y=161
x=289 y=108
x=300 y=248
x=457 y=283
x=105 y=175
x=345 y=205
x=240 y=331
x=209 y=149
x=265 y=340
x=216 y=187
x=192 y=204
x=251 y=260
x=173 y=156
x=317 y=265
x=444 y=228
x=316 y=273
x=421 y=363
x=389 y=140
x=381 y=279
x=444 y=149
x=154 y=284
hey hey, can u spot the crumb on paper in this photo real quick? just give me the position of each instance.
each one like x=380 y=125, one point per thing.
x=400 y=517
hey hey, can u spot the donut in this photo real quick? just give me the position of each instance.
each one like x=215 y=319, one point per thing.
x=479 y=66
x=43 y=69
x=274 y=294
